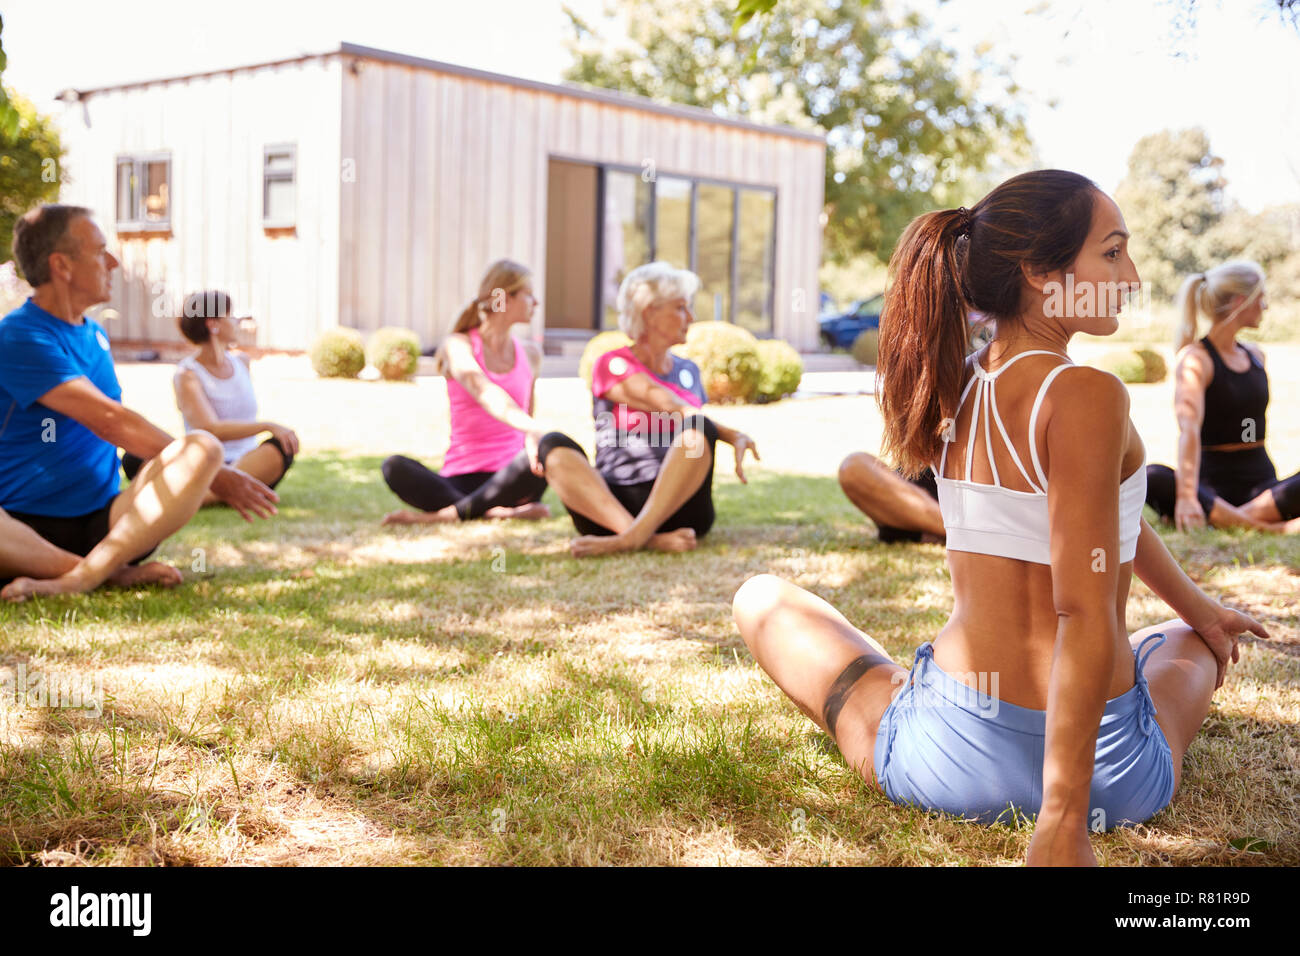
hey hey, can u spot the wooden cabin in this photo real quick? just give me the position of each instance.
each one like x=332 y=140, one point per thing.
x=365 y=188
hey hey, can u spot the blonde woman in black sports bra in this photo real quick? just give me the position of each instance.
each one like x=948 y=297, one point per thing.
x=1033 y=696
x=1224 y=475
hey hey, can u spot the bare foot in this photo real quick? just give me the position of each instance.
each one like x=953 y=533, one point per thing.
x=20 y=589
x=420 y=517
x=595 y=545
x=683 y=539
x=155 y=572
x=534 y=511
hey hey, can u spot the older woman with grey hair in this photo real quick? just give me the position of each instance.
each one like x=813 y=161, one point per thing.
x=652 y=485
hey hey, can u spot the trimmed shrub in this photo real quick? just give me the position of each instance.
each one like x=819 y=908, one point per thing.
x=338 y=353
x=1134 y=366
x=781 y=369
x=394 y=353
x=597 y=346
x=1155 y=365
x=866 y=347
x=728 y=359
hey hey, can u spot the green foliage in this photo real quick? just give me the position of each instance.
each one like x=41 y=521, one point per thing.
x=596 y=347
x=394 y=352
x=31 y=157
x=905 y=131
x=338 y=353
x=866 y=347
x=1174 y=202
x=1134 y=366
x=781 y=370
x=728 y=359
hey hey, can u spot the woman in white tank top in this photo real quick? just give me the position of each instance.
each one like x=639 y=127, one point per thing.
x=215 y=393
x=1033 y=695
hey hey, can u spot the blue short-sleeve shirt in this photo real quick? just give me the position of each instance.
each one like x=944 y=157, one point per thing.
x=51 y=464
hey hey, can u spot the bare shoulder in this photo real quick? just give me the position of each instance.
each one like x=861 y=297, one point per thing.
x=1089 y=392
x=1193 y=365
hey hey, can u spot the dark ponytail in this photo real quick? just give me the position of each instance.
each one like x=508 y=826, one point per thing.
x=949 y=262
x=923 y=337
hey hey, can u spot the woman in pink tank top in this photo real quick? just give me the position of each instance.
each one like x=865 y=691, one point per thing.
x=491 y=468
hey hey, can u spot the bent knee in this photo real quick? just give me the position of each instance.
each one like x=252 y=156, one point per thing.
x=205 y=444
x=554 y=440
x=757 y=598
x=857 y=469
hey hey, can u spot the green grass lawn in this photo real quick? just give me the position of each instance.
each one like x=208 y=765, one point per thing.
x=323 y=690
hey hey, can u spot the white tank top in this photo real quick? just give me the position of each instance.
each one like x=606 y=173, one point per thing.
x=996 y=520
x=231 y=398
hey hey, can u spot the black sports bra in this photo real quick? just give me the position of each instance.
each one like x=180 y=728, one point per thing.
x=1235 y=402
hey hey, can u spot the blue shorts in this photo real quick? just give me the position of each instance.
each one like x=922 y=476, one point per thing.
x=943 y=745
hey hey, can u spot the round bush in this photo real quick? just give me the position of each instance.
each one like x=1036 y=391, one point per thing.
x=1155 y=365
x=866 y=347
x=339 y=353
x=1134 y=366
x=728 y=359
x=781 y=368
x=597 y=346
x=394 y=352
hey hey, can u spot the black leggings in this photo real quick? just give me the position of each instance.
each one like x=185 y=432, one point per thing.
x=472 y=493
x=1235 y=476
x=697 y=513
x=131 y=465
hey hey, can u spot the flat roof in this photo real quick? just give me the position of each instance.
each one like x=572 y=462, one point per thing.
x=610 y=97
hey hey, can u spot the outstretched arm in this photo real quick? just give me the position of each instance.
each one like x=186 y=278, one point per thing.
x=198 y=411
x=494 y=399
x=1191 y=377
x=642 y=392
x=1217 y=625
x=1083 y=507
x=112 y=421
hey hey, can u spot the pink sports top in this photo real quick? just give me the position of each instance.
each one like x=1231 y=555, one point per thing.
x=992 y=519
x=478 y=441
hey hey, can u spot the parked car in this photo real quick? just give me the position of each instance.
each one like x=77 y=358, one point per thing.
x=841 y=331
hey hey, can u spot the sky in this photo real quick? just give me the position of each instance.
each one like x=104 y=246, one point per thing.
x=1097 y=75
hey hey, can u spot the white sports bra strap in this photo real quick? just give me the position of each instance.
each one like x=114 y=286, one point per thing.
x=990 y=409
x=1033 y=419
x=943 y=457
x=1011 y=448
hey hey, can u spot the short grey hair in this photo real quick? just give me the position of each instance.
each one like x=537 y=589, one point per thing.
x=647 y=285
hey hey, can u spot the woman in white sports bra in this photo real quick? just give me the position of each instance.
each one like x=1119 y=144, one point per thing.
x=1033 y=697
x=215 y=393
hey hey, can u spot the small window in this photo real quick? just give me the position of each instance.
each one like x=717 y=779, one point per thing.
x=144 y=193
x=279 y=200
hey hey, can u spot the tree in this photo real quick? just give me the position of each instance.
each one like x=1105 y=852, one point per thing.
x=903 y=126
x=1175 y=204
x=31 y=157
x=1171 y=198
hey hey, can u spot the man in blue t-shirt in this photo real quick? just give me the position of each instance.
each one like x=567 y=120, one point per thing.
x=65 y=526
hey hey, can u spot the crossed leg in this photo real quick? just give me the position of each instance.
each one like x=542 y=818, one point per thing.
x=164 y=496
x=838 y=676
x=891 y=501
x=1180 y=674
x=685 y=468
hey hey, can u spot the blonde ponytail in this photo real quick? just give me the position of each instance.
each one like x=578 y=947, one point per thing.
x=1212 y=293
x=1188 y=308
